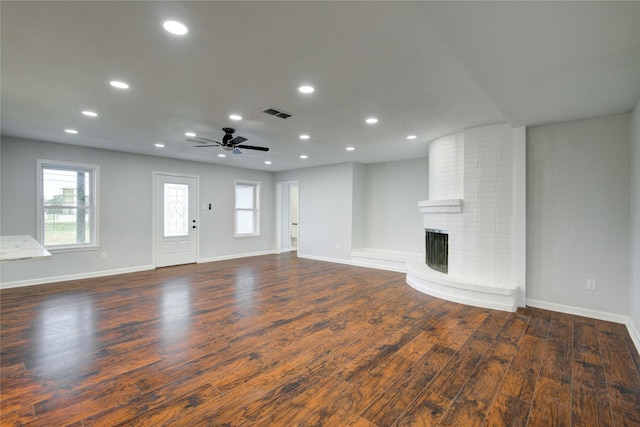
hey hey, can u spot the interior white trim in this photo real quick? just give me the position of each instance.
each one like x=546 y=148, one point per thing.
x=336 y=260
x=235 y=256
x=633 y=332
x=578 y=311
x=399 y=268
x=384 y=259
x=594 y=314
x=91 y=275
x=103 y=273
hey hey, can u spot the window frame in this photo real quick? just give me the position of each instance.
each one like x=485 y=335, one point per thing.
x=92 y=208
x=255 y=210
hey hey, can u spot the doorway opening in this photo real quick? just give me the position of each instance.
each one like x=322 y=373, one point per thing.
x=288 y=218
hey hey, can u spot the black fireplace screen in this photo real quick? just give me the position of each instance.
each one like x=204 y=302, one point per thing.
x=437 y=249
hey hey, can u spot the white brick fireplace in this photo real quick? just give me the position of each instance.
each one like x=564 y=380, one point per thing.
x=477 y=196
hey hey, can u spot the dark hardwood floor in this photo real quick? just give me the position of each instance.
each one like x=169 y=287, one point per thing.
x=282 y=341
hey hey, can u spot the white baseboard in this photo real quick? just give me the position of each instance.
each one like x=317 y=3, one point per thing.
x=282 y=251
x=578 y=311
x=67 y=277
x=103 y=273
x=633 y=331
x=351 y=263
x=379 y=266
x=235 y=256
x=594 y=314
x=326 y=259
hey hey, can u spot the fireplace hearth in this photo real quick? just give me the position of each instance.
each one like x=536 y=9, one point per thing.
x=437 y=249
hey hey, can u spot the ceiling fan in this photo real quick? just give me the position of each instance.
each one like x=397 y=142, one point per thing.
x=229 y=143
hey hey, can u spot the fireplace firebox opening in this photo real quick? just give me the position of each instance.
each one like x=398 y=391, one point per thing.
x=437 y=249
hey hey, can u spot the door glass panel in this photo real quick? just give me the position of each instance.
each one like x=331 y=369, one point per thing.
x=176 y=210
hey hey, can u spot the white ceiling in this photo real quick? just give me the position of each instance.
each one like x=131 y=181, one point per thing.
x=423 y=68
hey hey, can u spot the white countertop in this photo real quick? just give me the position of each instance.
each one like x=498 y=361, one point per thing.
x=21 y=248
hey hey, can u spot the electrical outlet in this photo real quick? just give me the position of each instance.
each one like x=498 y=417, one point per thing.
x=338 y=246
x=592 y=284
x=103 y=255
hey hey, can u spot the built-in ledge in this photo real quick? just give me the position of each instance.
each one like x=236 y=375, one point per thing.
x=439 y=206
x=384 y=259
x=440 y=285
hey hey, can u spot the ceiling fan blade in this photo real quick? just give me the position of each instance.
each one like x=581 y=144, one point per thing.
x=205 y=146
x=236 y=151
x=208 y=140
x=253 y=147
x=237 y=140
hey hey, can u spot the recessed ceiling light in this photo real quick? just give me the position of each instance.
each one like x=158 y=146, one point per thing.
x=267 y=162
x=411 y=137
x=119 y=84
x=158 y=145
x=175 y=27
x=235 y=117
x=90 y=113
x=304 y=156
x=306 y=89
x=222 y=155
x=72 y=131
x=191 y=134
x=304 y=136
x=350 y=148
x=371 y=120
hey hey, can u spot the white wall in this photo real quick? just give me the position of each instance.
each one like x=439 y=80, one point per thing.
x=325 y=195
x=353 y=206
x=358 y=225
x=578 y=213
x=634 y=300
x=125 y=208
x=391 y=217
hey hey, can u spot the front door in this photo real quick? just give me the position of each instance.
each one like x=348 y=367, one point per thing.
x=175 y=220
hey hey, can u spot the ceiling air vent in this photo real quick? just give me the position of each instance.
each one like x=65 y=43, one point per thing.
x=277 y=113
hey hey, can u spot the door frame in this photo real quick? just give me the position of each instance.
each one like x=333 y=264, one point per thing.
x=279 y=214
x=154 y=230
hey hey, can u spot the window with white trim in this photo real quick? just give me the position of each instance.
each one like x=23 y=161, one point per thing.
x=67 y=205
x=247 y=216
